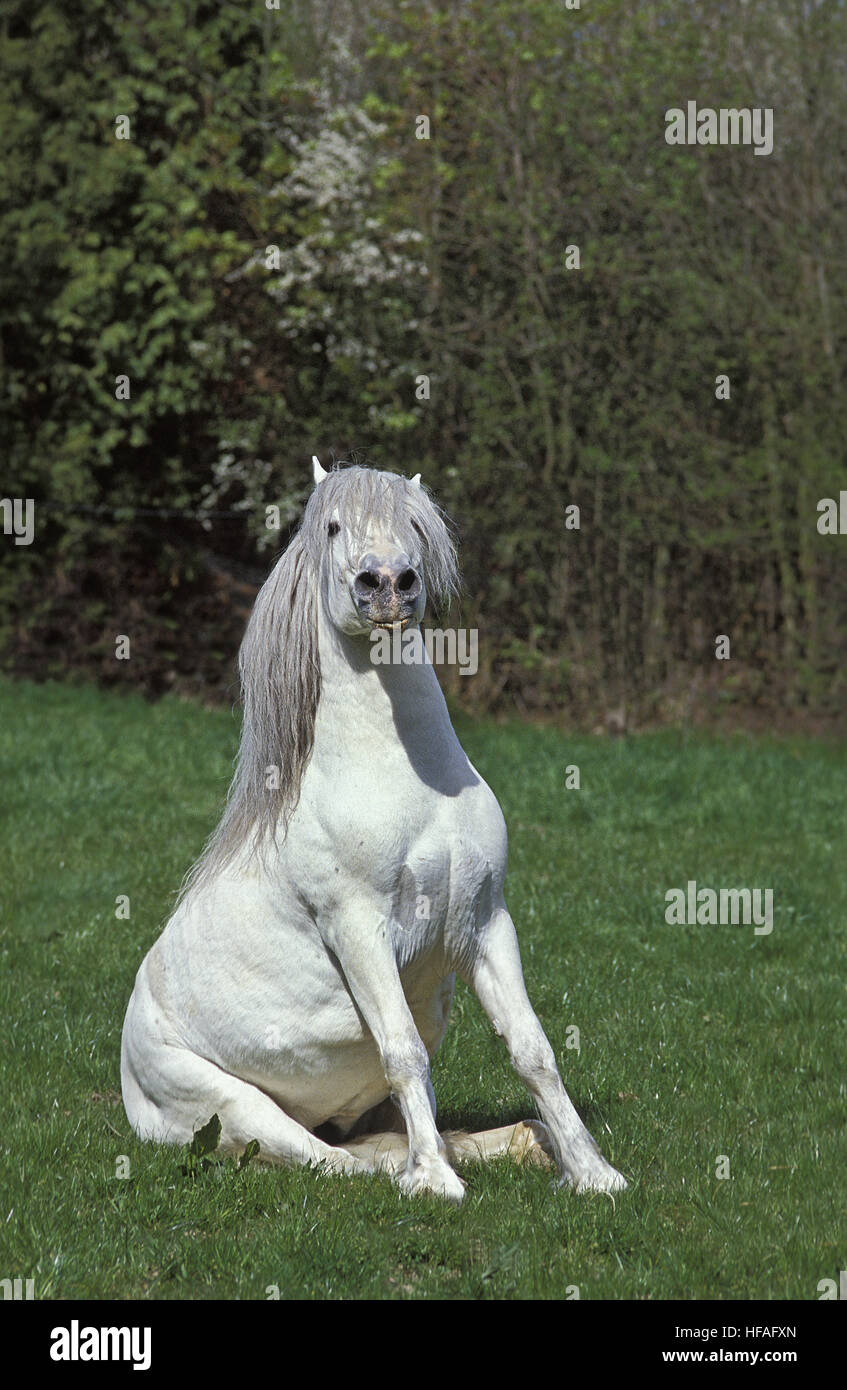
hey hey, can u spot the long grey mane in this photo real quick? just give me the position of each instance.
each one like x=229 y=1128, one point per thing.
x=278 y=661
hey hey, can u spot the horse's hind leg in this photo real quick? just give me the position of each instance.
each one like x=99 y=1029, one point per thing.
x=525 y=1142
x=189 y=1090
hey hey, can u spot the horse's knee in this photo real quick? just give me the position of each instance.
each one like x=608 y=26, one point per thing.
x=533 y=1059
x=405 y=1062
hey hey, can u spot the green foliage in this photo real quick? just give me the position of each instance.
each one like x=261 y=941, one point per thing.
x=397 y=257
x=200 y=1155
x=200 y=1152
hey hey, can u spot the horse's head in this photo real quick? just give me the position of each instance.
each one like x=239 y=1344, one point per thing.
x=379 y=545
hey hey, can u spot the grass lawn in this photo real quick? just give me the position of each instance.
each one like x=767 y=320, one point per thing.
x=695 y=1041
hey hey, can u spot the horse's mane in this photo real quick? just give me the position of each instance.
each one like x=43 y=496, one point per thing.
x=279 y=663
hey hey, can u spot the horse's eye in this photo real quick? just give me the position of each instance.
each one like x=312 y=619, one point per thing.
x=333 y=529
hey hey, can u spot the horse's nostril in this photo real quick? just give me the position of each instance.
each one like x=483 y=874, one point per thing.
x=405 y=581
x=367 y=580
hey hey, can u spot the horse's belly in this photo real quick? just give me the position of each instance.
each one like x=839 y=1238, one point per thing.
x=325 y=1066
x=349 y=1082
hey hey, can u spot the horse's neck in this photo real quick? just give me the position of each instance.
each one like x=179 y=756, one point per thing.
x=377 y=709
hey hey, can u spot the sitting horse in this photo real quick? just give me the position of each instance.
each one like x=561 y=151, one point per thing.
x=305 y=979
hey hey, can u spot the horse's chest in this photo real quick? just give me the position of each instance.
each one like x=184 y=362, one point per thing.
x=445 y=888
x=429 y=863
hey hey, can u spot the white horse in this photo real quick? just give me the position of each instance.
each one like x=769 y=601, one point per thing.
x=305 y=979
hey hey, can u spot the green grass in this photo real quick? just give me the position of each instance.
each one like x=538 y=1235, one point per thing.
x=695 y=1041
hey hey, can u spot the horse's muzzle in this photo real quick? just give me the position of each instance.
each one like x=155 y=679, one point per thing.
x=387 y=591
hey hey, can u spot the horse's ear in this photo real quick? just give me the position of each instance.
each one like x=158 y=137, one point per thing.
x=416 y=481
x=319 y=473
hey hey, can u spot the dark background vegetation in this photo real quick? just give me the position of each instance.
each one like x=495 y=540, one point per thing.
x=397 y=256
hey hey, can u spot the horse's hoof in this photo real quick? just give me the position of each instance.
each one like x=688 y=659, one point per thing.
x=433 y=1176
x=530 y=1144
x=604 y=1179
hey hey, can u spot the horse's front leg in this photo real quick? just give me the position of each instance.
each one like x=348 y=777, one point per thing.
x=364 y=951
x=497 y=978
